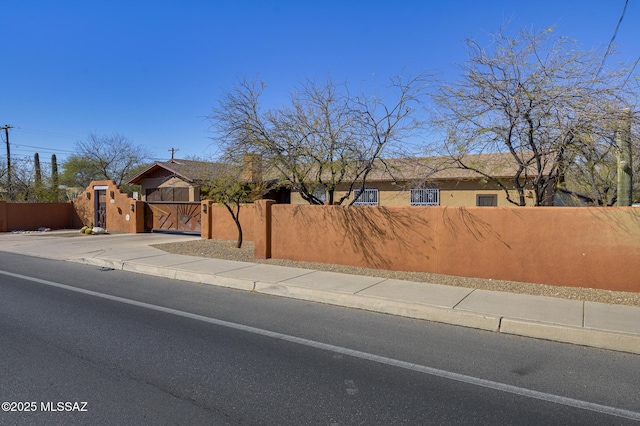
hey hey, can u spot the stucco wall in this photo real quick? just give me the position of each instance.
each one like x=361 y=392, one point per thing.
x=31 y=216
x=217 y=223
x=120 y=217
x=586 y=247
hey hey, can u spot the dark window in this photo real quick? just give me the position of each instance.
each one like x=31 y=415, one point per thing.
x=153 y=194
x=180 y=194
x=487 y=200
x=168 y=194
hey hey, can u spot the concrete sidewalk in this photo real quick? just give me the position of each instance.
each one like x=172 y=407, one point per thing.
x=614 y=327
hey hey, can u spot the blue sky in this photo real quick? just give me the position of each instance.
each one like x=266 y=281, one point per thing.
x=153 y=70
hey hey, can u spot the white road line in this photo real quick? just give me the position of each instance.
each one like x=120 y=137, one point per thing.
x=576 y=403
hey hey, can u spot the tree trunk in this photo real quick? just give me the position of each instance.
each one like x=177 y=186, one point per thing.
x=239 y=242
x=236 y=218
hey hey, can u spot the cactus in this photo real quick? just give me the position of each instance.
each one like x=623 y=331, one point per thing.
x=54 y=178
x=36 y=165
x=623 y=153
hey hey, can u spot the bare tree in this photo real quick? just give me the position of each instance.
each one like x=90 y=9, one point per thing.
x=29 y=181
x=111 y=157
x=389 y=124
x=326 y=138
x=592 y=172
x=537 y=97
x=3 y=180
x=319 y=131
x=23 y=182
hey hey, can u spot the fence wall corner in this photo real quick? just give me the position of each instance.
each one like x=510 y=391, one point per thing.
x=3 y=217
x=262 y=229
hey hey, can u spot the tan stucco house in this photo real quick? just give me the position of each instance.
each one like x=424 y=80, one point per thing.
x=434 y=181
x=414 y=181
x=184 y=180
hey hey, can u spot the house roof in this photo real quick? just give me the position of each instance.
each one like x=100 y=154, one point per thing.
x=189 y=170
x=498 y=165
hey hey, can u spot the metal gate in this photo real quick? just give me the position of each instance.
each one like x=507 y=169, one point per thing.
x=100 y=207
x=172 y=216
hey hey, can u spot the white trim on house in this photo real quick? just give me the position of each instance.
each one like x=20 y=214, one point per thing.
x=425 y=197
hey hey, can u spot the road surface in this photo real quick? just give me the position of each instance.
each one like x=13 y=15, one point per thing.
x=87 y=345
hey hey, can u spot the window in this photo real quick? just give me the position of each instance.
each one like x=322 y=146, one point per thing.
x=154 y=195
x=425 y=197
x=369 y=197
x=168 y=194
x=321 y=194
x=487 y=200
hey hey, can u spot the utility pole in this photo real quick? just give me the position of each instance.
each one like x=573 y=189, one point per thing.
x=173 y=151
x=6 y=134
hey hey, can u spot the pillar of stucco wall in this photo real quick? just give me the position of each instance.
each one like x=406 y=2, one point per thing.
x=205 y=219
x=262 y=229
x=3 y=216
x=119 y=209
x=136 y=216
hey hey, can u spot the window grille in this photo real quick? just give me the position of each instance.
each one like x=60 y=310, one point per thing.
x=369 y=197
x=425 y=197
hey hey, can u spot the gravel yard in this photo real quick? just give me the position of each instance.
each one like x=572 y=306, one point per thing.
x=226 y=250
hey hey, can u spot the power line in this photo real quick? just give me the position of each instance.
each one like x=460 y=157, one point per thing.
x=48 y=133
x=615 y=33
x=42 y=147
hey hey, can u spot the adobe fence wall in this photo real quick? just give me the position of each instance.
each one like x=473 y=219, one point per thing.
x=216 y=222
x=579 y=247
x=30 y=216
x=123 y=214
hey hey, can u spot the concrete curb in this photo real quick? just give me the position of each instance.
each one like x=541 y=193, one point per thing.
x=103 y=263
x=590 y=337
x=578 y=336
x=369 y=303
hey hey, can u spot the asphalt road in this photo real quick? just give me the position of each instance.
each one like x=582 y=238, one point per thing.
x=144 y=350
